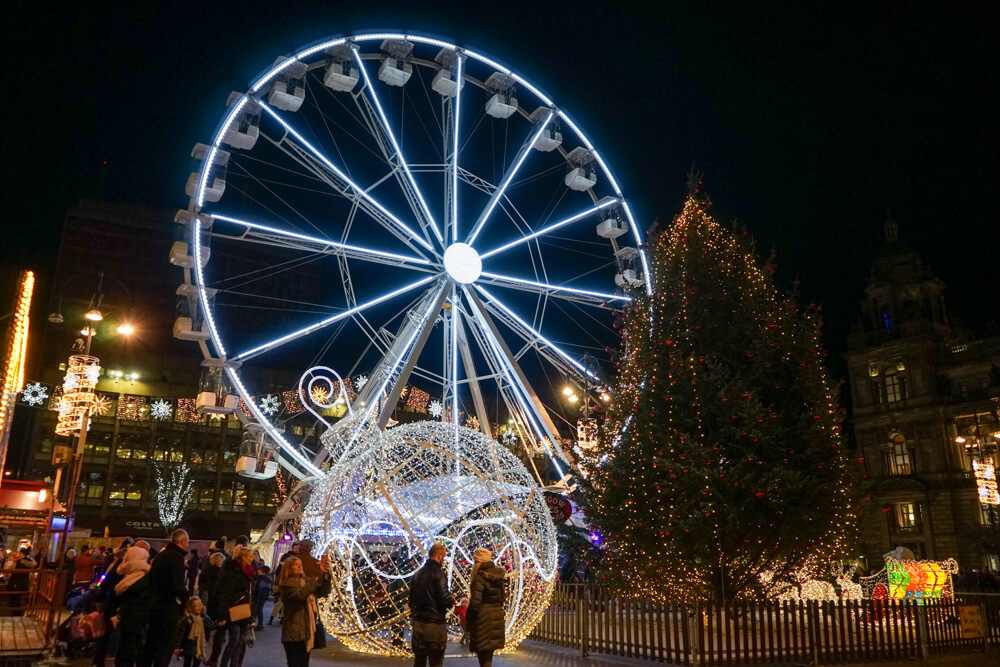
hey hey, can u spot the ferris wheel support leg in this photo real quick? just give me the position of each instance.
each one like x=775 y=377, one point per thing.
x=518 y=376
x=470 y=372
x=288 y=511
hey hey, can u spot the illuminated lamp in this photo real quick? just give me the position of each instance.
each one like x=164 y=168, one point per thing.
x=125 y=329
x=56 y=318
x=94 y=315
x=567 y=391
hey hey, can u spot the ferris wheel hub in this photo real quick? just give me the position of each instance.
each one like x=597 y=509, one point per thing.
x=462 y=263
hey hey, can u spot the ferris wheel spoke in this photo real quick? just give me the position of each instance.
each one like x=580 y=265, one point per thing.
x=401 y=358
x=456 y=106
x=561 y=359
x=519 y=160
x=254 y=232
x=604 y=203
x=295 y=335
x=341 y=182
x=377 y=120
x=589 y=297
x=531 y=404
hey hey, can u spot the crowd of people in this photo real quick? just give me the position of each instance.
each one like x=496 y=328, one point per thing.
x=976 y=580
x=208 y=609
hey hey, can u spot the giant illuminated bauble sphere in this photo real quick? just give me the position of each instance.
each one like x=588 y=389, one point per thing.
x=390 y=496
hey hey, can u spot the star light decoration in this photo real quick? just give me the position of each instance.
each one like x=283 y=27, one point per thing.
x=269 y=404
x=34 y=394
x=435 y=409
x=161 y=410
x=400 y=491
x=102 y=405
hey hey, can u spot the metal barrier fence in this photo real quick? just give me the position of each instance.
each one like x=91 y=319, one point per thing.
x=29 y=618
x=592 y=620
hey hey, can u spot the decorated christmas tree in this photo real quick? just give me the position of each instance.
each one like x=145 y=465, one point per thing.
x=723 y=459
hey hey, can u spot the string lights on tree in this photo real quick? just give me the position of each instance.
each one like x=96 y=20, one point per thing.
x=723 y=455
x=174 y=491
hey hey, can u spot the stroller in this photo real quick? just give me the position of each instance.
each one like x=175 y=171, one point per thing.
x=77 y=636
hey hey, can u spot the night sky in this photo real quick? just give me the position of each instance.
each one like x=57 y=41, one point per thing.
x=808 y=120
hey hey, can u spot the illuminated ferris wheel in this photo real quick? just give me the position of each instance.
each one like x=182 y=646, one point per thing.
x=463 y=231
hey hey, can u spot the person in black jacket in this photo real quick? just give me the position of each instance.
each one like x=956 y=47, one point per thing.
x=206 y=591
x=430 y=601
x=232 y=589
x=166 y=579
x=133 y=598
x=261 y=592
x=485 y=616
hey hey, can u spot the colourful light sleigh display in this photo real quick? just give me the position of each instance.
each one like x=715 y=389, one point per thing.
x=911 y=580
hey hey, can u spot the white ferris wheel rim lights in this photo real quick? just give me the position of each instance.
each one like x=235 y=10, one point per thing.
x=457 y=265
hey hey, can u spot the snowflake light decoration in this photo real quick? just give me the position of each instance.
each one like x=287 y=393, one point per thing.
x=70 y=382
x=361 y=381
x=435 y=409
x=161 y=410
x=102 y=405
x=270 y=404
x=34 y=394
x=93 y=374
x=400 y=491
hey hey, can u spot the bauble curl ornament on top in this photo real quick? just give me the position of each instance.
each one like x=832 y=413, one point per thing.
x=393 y=494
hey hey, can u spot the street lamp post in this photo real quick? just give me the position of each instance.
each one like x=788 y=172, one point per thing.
x=81 y=378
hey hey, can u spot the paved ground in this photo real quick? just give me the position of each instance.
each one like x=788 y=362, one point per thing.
x=268 y=652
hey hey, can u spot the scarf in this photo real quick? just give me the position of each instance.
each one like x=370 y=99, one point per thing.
x=133 y=568
x=197 y=635
x=312 y=611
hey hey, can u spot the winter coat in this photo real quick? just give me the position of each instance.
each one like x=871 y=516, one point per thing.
x=485 y=617
x=206 y=584
x=232 y=587
x=310 y=565
x=167 y=577
x=429 y=596
x=184 y=643
x=84 y=568
x=133 y=568
x=133 y=604
x=295 y=594
x=262 y=587
x=19 y=579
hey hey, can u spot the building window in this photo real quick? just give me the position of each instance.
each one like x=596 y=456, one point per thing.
x=895 y=386
x=205 y=496
x=907 y=517
x=899 y=457
x=91 y=489
x=126 y=490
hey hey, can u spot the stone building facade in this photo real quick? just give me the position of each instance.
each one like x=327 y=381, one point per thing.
x=925 y=399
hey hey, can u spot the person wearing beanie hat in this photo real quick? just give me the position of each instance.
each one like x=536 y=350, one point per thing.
x=485 y=616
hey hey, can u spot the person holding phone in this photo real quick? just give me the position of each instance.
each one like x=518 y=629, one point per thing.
x=298 y=593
